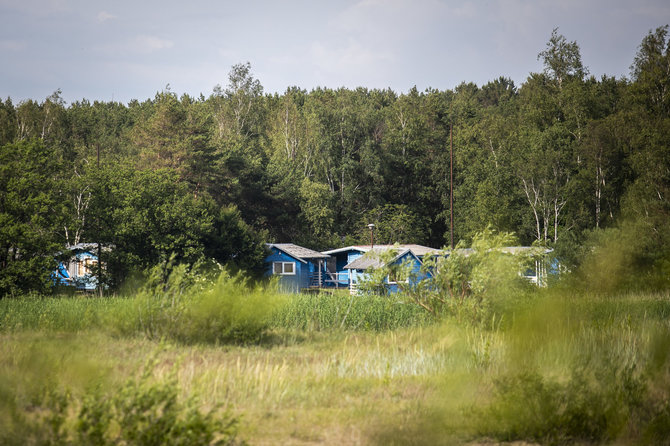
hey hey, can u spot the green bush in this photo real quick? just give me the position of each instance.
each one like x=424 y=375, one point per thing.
x=149 y=413
x=192 y=309
x=609 y=395
x=532 y=408
x=143 y=412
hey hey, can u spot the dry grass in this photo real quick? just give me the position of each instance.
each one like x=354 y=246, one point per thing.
x=406 y=386
x=326 y=389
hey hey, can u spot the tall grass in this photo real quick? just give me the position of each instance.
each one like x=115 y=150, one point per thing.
x=65 y=314
x=341 y=311
x=227 y=310
x=53 y=393
x=558 y=367
x=564 y=369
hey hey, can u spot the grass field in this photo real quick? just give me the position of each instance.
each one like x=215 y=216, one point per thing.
x=552 y=368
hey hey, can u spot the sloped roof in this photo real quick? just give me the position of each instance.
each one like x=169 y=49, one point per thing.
x=349 y=248
x=298 y=252
x=418 y=250
x=371 y=258
x=533 y=250
x=514 y=250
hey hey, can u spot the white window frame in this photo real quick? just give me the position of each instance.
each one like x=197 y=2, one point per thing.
x=283 y=268
x=388 y=280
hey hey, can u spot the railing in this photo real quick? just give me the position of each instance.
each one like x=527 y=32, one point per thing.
x=329 y=280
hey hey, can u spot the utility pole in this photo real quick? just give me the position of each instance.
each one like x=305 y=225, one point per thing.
x=99 y=247
x=451 y=178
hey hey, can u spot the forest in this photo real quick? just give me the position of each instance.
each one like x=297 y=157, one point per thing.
x=557 y=160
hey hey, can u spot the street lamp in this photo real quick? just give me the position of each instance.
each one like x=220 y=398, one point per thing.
x=372 y=235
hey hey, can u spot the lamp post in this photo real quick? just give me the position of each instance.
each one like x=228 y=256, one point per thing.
x=372 y=235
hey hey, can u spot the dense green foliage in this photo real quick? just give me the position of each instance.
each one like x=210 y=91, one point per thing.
x=551 y=160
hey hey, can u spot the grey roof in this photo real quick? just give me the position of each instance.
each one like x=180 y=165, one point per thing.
x=362 y=248
x=418 y=250
x=514 y=250
x=371 y=258
x=298 y=252
x=533 y=250
x=87 y=247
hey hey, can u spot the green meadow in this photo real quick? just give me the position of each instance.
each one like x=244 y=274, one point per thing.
x=228 y=362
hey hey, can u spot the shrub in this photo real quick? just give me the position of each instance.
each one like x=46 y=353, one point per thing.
x=532 y=408
x=193 y=309
x=149 y=413
x=142 y=412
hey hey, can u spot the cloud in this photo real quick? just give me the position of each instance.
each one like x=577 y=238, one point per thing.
x=149 y=44
x=390 y=19
x=348 y=59
x=103 y=16
x=40 y=8
x=12 y=45
x=142 y=44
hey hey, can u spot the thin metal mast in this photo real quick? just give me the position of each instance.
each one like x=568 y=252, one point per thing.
x=451 y=187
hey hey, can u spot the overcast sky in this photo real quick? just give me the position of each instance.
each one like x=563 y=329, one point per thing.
x=122 y=50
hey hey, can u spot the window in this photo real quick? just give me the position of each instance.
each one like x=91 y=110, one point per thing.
x=88 y=266
x=393 y=278
x=283 y=268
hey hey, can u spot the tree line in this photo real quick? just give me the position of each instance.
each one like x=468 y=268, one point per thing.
x=561 y=156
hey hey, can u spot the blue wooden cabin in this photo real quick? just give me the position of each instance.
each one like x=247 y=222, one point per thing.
x=296 y=267
x=359 y=268
x=340 y=258
x=79 y=271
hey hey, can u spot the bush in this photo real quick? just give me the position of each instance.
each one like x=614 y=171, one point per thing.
x=191 y=309
x=142 y=412
x=477 y=283
x=149 y=413
x=532 y=408
x=605 y=398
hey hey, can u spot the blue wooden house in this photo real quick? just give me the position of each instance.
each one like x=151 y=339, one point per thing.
x=338 y=273
x=359 y=269
x=296 y=267
x=79 y=271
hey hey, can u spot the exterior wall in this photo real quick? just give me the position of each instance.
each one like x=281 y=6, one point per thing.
x=357 y=276
x=415 y=271
x=79 y=272
x=341 y=260
x=82 y=269
x=288 y=282
x=353 y=255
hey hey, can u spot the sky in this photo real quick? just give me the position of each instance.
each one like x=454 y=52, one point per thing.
x=131 y=49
